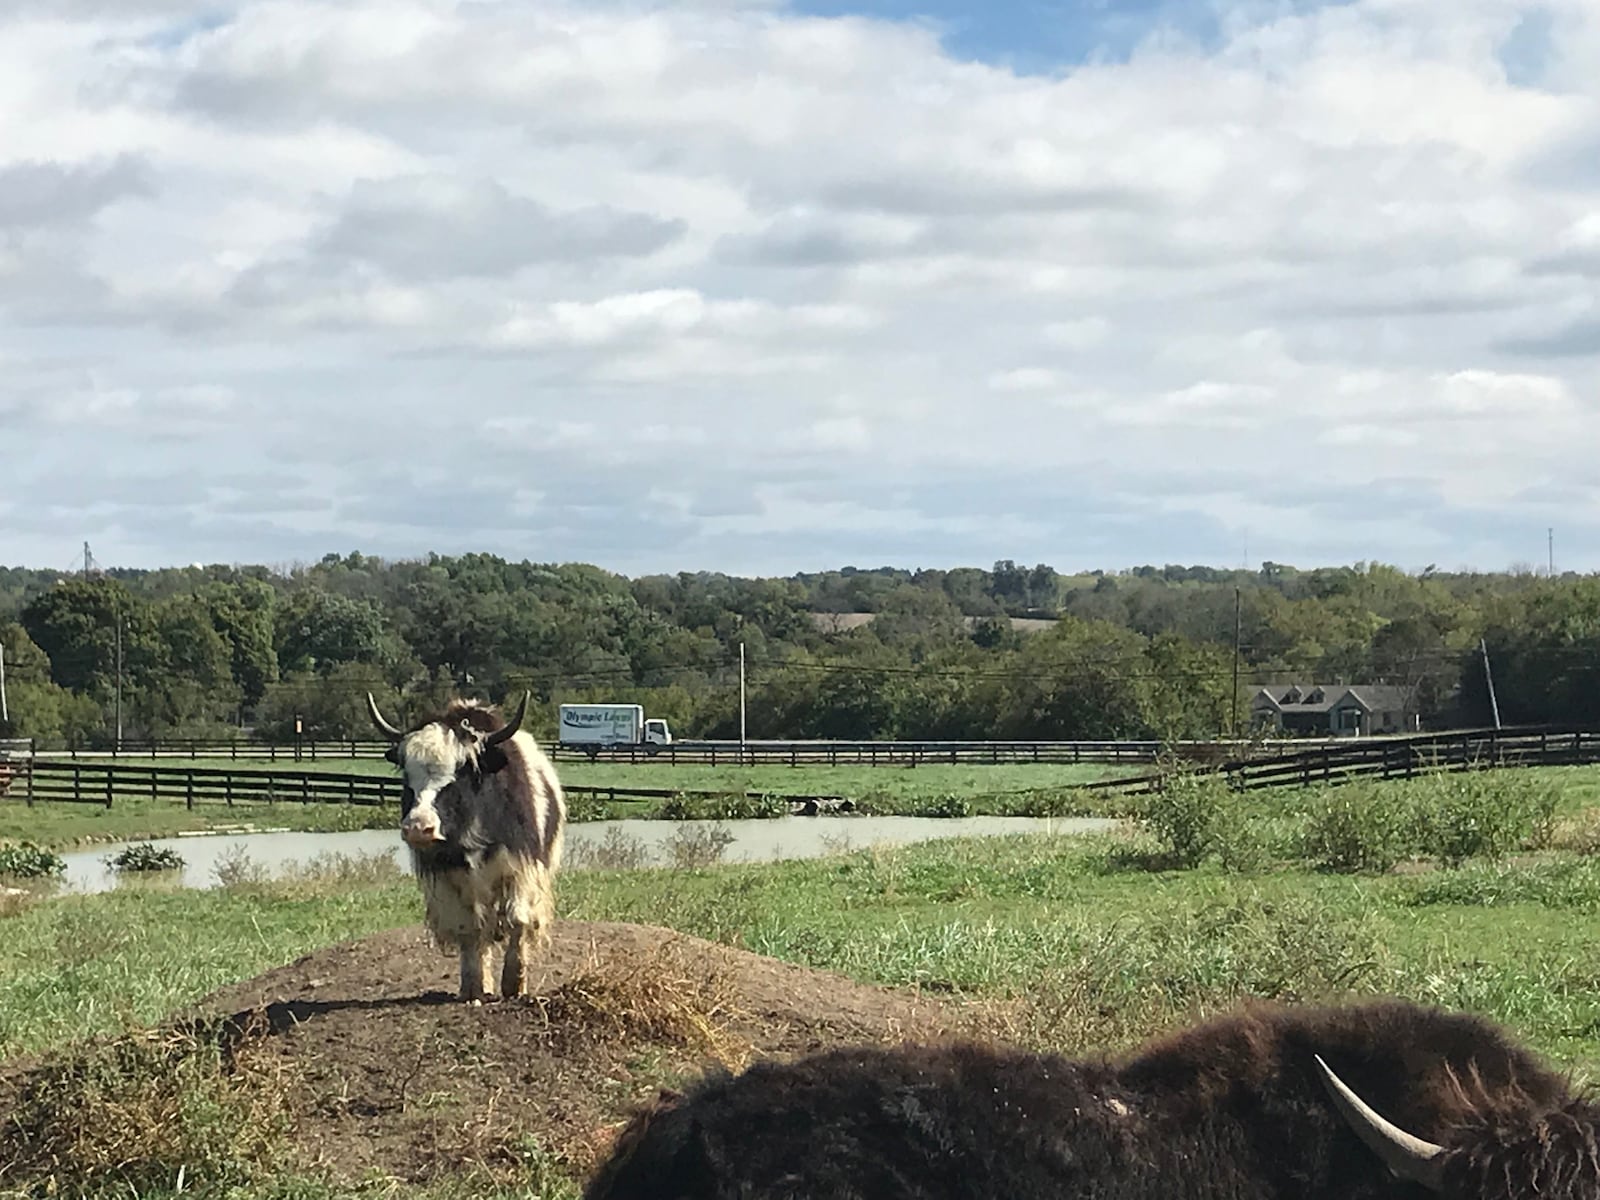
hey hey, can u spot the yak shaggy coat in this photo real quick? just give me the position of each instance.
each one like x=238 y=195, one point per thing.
x=1238 y=1109
x=500 y=816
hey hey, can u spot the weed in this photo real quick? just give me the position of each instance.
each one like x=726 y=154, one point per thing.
x=235 y=868
x=617 y=851
x=695 y=846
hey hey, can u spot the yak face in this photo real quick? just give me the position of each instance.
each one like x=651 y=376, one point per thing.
x=443 y=762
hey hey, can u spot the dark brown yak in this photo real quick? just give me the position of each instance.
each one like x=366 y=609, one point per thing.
x=1242 y=1108
x=485 y=817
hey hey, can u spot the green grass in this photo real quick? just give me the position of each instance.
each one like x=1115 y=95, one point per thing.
x=1077 y=941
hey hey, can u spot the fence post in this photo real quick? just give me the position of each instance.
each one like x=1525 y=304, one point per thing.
x=227 y=789
x=305 y=789
x=108 y=789
x=188 y=789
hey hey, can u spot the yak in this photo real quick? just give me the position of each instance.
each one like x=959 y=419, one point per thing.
x=485 y=817
x=1271 y=1102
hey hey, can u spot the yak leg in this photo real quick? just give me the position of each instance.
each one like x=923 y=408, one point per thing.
x=511 y=971
x=474 y=968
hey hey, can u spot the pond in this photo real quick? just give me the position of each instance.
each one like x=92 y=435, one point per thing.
x=752 y=841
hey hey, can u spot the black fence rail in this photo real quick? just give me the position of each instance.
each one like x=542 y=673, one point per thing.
x=105 y=782
x=1406 y=757
x=1403 y=757
x=715 y=753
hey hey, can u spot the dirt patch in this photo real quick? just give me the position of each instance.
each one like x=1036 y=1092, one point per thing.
x=394 y=1075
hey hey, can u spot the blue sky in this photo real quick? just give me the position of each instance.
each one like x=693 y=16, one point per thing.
x=739 y=285
x=1043 y=35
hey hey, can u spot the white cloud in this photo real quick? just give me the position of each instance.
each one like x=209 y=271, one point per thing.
x=768 y=276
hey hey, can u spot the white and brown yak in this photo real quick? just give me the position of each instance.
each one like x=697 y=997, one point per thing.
x=484 y=815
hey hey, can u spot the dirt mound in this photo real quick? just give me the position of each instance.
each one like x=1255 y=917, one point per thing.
x=392 y=1074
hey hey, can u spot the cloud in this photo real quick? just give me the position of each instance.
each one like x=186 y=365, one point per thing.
x=423 y=228
x=723 y=285
x=47 y=194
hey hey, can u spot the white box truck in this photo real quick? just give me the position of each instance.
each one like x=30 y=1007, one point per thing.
x=591 y=726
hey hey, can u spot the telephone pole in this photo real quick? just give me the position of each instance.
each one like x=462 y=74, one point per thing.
x=1233 y=720
x=118 y=620
x=5 y=714
x=1550 y=543
x=1488 y=676
x=741 y=701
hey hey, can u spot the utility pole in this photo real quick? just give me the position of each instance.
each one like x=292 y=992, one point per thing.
x=118 y=620
x=1233 y=720
x=1550 y=542
x=741 y=701
x=1488 y=676
x=5 y=714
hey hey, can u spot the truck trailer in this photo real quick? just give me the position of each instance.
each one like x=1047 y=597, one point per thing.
x=591 y=727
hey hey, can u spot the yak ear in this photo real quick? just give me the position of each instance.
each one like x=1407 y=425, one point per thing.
x=492 y=760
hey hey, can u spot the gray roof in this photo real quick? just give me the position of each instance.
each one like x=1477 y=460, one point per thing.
x=1321 y=697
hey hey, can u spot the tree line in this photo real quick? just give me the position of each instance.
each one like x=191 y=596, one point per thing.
x=1011 y=651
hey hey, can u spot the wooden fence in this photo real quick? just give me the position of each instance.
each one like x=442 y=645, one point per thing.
x=1406 y=757
x=714 y=753
x=104 y=782
x=1402 y=757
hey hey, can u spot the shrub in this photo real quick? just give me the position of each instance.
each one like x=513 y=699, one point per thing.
x=1186 y=816
x=145 y=857
x=724 y=806
x=24 y=860
x=1484 y=814
x=1355 y=828
x=949 y=805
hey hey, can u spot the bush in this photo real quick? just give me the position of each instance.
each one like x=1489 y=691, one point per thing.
x=24 y=860
x=145 y=857
x=1355 y=828
x=1444 y=816
x=1484 y=814
x=725 y=806
x=948 y=805
x=1187 y=815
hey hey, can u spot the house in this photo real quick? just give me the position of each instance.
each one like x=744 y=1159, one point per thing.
x=1334 y=709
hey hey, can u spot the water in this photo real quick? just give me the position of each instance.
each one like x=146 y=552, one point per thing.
x=753 y=841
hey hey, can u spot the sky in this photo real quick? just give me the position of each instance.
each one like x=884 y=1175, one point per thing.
x=761 y=286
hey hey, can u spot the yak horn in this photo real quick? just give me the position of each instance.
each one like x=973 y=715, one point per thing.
x=389 y=731
x=1405 y=1154
x=510 y=727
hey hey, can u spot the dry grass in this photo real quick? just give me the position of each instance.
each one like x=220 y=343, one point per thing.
x=669 y=996
x=1577 y=834
x=146 y=1110
x=14 y=901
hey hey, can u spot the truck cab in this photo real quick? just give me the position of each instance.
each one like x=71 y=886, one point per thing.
x=656 y=732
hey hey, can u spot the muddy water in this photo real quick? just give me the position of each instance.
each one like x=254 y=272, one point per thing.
x=753 y=841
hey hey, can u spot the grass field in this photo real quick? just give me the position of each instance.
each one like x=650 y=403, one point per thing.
x=1097 y=941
